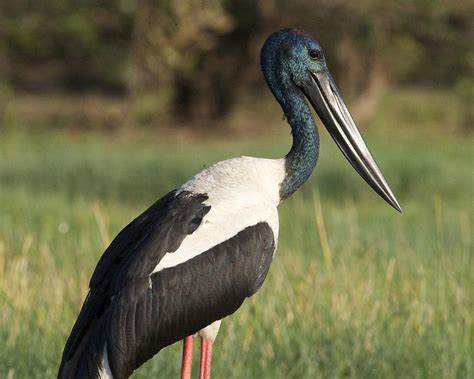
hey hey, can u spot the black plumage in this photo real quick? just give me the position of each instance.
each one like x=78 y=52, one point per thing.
x=136 y=312
x=181 y=300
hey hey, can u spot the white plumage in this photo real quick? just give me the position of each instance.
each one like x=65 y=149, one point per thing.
x=242 y=192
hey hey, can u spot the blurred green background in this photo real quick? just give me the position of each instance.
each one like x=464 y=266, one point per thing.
x=107 y=105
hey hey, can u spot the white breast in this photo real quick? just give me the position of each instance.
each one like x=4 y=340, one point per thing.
x=242 y=192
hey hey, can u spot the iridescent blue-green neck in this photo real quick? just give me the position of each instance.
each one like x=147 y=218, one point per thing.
x=302 y=158
x=280 y=68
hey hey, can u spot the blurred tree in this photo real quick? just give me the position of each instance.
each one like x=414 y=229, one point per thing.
x=68 y=44
x=178 y=49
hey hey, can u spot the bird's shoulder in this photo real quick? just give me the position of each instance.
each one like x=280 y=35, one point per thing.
x=247 y=179
x=161 y=228
x=242 y=192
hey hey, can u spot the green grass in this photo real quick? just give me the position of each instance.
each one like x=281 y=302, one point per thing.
x=389 y=295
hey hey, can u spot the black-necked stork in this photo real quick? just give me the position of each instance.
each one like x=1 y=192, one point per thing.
x=196 y=254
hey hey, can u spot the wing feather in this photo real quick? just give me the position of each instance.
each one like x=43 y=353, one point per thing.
x=186 y=298
x=130 y=258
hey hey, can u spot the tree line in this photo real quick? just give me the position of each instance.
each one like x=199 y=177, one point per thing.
x=190 y=55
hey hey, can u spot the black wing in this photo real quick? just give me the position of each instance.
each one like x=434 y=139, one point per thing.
x=176 y=302
x=129 y=259
x=136 y=314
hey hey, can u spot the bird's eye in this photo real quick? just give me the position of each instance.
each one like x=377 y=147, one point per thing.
x=315 y=54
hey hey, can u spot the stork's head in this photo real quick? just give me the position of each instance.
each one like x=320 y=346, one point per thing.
x=293 y=62
x=290 y=55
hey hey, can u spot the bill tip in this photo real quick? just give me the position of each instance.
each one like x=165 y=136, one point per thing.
x=397 y=206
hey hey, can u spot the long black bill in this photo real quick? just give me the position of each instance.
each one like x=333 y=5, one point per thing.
x=328 y=103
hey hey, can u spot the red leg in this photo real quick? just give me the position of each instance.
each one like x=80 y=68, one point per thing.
x=188 y=343
x=206 y=355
